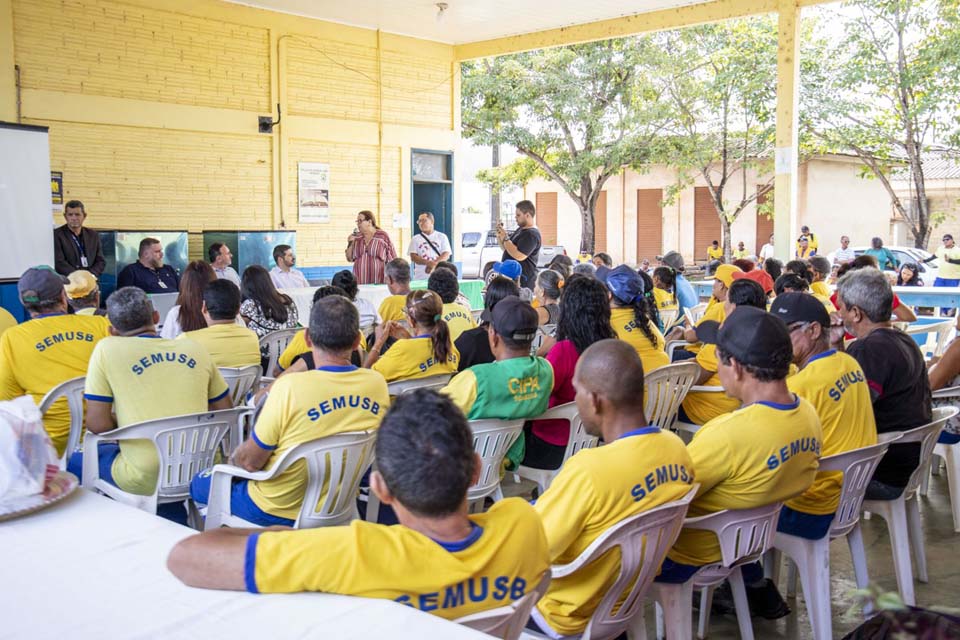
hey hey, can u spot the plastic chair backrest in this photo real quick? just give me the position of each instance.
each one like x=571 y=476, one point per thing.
x=694 y=313
x=509 y=621
x=744 y=534
x=335 y=467
x=664 y=391
x=857 y=466
x=491 y=440
x=643 y=541
x=927 y=437
x=186 y=445
x=276 y=342
x=579 y=439
x=241 y=380
x=72 y=390
x=400 y=387
x=673 y=345
x=938 y=335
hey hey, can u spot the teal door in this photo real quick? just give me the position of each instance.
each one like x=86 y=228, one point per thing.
x=432 y=190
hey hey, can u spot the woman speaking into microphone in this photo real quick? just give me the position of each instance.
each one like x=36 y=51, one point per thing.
x=369 y=248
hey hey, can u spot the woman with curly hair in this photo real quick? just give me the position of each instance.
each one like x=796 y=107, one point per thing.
x=634 y=316
x=584 y=319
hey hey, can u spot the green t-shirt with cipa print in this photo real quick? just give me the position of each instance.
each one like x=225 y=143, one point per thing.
x=512 y=389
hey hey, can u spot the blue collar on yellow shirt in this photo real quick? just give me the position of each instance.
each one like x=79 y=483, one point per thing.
x=337 y=368
x=640 y=431
x=825 y=354
x=460 y=545
x=780 y=406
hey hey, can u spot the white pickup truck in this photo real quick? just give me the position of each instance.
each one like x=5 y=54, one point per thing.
x=480 y=250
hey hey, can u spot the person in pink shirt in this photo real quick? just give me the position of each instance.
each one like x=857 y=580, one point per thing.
x=584 y=319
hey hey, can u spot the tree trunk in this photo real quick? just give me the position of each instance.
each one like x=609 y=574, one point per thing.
x=494 y=190
x=587 y=228
x=725 y=242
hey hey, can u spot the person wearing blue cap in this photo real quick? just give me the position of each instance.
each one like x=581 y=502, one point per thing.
x=508 y=269
x=634 y=317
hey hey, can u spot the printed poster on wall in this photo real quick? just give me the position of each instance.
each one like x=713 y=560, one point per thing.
x=56 y=190
x=314 y=191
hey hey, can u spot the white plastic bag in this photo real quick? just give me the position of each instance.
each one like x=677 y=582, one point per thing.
x=27 y=457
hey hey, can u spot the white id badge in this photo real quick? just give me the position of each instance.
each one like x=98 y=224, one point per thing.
x=162 y=284
x=83 y=261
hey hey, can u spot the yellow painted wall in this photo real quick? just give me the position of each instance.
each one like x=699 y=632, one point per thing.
x=152 y=109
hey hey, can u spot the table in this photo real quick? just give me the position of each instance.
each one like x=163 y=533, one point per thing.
x=90 y=567
x=377 y=293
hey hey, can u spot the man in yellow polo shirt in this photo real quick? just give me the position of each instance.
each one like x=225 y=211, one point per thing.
x=141 y=376
x=50 y=348
x=714 y=257
x=640 y=467
x=820 y=267
x=439 y=559
x=333 y=398
x=396 y=273
x=6 y=320
x=458 y=317
x=765 y=452
x=229 y=344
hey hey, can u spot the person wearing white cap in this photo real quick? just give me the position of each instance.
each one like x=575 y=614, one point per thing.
x=84 y=293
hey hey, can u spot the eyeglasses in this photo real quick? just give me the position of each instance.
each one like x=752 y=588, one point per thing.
x=797 y=325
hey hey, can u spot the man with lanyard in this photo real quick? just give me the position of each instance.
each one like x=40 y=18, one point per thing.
x=74 y=246
x=220 y=260
x=639 y=468
x=428 y=247
x=149 y=273
x=523 y=245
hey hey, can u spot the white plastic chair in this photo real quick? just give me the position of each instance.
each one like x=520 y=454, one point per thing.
x=72 y=390
x=507 y=622
x=744 y=536
x=491 y=440
x=185 y=445
x=643 y=541
x=903 y=514
x=241 y=380
x=579 y=439
x=811 y=558
x=950 y=454
x=673 y=345
x=694 y=313
x=664 y=391
x=334 y=467
x=400 y=387
x=688 y=427
x=276 y=342
x=938 y=335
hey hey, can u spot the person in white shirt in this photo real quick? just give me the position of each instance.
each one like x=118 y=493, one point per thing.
x=766 y=251
x=844 y=254
x=220 y=260
x=284 y=276
x=428 y=247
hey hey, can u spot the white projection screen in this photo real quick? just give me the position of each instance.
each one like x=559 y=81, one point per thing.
x=26 y=219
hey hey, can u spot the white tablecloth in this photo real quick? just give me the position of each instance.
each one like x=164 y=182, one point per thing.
x=89 y=567
x=303 y=298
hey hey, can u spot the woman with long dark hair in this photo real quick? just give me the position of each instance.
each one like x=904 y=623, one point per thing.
x=426 y=350
x=634 y=316
x=369 y=248
x=908 y=275
x=187 y=314
x=584 y=319
x=265 y=309
x=664 y=290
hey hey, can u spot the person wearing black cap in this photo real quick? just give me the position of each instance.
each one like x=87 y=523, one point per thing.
x=50 y=348
x=633 y=314
x=516 y=385
x=765 y=452
x=473 y=345
x=834 y=384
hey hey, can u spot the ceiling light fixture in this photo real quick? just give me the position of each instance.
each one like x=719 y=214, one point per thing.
x=441 y=11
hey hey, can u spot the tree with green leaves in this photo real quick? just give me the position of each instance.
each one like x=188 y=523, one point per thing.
x=721 y=80
x=576 y=114
x=889 y=90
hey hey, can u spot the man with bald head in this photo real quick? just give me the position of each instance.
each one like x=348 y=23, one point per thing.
x=640 y=467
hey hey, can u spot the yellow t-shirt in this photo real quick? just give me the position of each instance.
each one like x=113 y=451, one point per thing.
x=458 y=319
x=738 y=254
x=412 y=358
x=594 y=490
x=813 y=243
x=665 y=300
x=230 y=345
x=652 y=356
x=704 y=406
x=834 y=384
x=820 y=288
x=146 y=378
x=394 y=308
x=762 y=453
x=714 y=254
x=43 y=352
x=309 y=405
x=825 y=300
x=947 y=270
x=298 y=345
x=486 y=570
x=6 y=320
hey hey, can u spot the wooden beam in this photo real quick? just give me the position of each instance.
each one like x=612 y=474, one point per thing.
x=8 y=78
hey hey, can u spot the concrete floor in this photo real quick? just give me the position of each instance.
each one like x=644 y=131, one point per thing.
x=941 y=593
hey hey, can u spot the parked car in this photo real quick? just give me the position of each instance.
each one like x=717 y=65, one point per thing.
x=928 y=272
x=480 y=250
